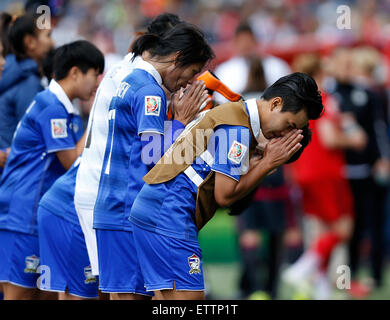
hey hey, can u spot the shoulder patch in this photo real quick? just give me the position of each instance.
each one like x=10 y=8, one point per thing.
x=237 y=152
x=59 y=128
x=152 y=105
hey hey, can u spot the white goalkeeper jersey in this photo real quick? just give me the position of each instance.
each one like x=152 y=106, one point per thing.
x=88 y=175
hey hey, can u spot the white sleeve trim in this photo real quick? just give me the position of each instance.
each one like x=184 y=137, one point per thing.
x=225 y=174
x=150 y=131
x=61 y=149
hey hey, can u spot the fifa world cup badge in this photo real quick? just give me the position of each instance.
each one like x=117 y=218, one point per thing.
x=32 y=263
x=237 y=152
x=194 y=263
x=59 y=128
x=152 y=105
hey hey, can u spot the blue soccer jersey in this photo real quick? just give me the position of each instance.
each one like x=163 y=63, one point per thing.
x=59 y=198
x=138 y=107
x=51 y=124
x=169 y=208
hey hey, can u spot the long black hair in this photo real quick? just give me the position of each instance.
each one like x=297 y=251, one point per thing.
x=184 y=38
x=162 y=23
x=13 y=33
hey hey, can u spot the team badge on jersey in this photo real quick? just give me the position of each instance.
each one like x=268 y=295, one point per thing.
x=59 y=128
x=237 y=152
x=194 y=263
x=32 y=263
x=152 y=105
x=89 y=277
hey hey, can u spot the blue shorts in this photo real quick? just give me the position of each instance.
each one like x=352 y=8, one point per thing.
x=165 y=260
x=119 y=269
x=19 y=258
x=64 y=256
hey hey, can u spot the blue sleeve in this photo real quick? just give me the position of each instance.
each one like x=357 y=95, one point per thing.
x=150 y=108
x=57 y=129
x=154 y=145
x=230 y=147
x=25 y=95
x=77 y=127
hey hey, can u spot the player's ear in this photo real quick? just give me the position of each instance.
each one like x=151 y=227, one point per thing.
x=74 y=73
x=276 y=104
x=30 y=42
x=175 y=56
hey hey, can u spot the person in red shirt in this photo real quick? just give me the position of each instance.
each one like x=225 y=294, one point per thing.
x=326 y=196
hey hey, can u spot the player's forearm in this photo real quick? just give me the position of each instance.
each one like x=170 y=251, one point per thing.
x=80 y=144
x=246 y=184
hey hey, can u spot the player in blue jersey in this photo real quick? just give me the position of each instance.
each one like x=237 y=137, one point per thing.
x=56 y=208
x=62 y=247
x=163 y=214
x=88 y=174
x=25 y=47
x=137 y=114
x=3 y=151
x=46 y=143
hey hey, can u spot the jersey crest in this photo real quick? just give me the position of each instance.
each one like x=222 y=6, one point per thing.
x=152 y=105
x=194 y=263
x=89 y=277
x=32 y=263
x=237 y=152
x=58 y=128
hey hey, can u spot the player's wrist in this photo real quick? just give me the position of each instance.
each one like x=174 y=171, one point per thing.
x=184 y=121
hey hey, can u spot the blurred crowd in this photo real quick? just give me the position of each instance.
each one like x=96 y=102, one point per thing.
x=337 y=194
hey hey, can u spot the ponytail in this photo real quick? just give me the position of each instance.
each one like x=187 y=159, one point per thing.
x=184 y=38
x=5 y=24
x=17 y=30
x=144 y=43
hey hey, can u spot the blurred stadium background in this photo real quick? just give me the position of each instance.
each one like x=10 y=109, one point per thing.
x=284 y=29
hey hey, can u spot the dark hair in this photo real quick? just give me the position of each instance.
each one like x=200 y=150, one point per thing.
x=81 y=54
x=5 y=21
x=13 y=34
x=184 y=38
x=47 y=64
x=243 y=28
x=298 y=91
x=307 y=134
x=162 y=23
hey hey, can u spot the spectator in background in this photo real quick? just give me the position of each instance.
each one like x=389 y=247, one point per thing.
x=234 y=72
x=326 y=195
x=21 y=79
x=367 y=169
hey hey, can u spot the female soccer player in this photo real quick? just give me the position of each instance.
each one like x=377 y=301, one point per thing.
x=46 y=143
x=180 y=197
x=88 y=173
x=26 y=46
x=3 y=151
x=136 y=115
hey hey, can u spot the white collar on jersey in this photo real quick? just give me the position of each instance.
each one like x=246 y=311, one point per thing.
x=254 y=116
x=140 y=63
x=55 y=88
